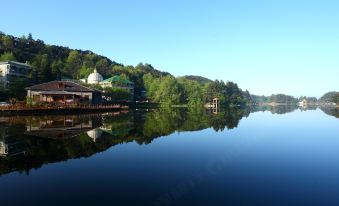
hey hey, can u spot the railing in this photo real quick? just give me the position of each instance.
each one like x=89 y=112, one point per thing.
x=18 y=107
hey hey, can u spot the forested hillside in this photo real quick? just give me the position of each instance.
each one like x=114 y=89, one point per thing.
x=51 y=62
x=330 y=97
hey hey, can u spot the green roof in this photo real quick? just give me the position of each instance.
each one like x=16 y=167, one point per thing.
x=117 y=79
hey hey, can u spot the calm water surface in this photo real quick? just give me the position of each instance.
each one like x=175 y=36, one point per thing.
x=262 y=156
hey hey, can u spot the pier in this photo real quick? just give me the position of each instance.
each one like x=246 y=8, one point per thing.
x=24 y=109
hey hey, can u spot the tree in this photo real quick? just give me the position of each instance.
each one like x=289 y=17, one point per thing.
x=85 y=71
x=104 y=67
x=7 y=42
x=42 y=66
x=7 y=56
x=73 y=63
x=57 y=68
x=17 y=88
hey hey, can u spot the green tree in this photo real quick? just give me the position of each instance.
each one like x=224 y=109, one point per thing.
x=42 y=66
x=73 y=63
x=57 y=68
x=84 y=72
x=17 y=88
x=7 y=56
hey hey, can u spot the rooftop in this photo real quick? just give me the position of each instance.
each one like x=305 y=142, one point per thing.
x=15 y=62
x=117 y=79
x=61 y=86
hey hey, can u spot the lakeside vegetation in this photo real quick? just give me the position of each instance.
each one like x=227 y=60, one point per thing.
x=135 y=126
x=51 y=62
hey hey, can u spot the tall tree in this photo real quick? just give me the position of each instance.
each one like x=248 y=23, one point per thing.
x=73 y=63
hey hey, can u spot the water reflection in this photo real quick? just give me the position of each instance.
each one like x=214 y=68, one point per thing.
x=28 y=142
x=332 y=111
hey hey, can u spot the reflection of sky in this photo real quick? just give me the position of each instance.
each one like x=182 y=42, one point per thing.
x=269 y=158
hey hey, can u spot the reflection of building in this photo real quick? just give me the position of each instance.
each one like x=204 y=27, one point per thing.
x=214 y=105
x=11 y=70
x=10 y=146
x=94 y=134
x=302 y=103
x=59 y=127
x=63 y=92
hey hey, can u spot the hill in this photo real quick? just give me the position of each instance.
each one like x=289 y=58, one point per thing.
x=51 y=62
x=329 y=97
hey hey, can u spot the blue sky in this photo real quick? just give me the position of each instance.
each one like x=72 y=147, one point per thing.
x=266 y=46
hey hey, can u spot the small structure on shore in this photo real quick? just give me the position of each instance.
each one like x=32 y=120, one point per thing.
x=63 y=92
x=214 y=105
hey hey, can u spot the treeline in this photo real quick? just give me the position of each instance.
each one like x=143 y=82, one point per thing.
x=50 y=62
x=182 y=90
x=275 y=98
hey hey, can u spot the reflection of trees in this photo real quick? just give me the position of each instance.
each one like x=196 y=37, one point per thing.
x=278 y=109
x=332 y=111
x=229 y=118
x=164 y=122
x=140 y=127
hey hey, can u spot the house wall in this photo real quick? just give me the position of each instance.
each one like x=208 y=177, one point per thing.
x=8 y=71
x=37 y=97
x=3 y=74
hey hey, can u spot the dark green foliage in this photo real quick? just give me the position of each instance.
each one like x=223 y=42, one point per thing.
x=17 y=88
x=182 y=91
x=229 y=94
x=50 y=61
x=117 y=94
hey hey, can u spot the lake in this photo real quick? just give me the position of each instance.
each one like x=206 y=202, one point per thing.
x=259 y=156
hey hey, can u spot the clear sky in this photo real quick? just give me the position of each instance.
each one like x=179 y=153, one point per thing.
x=266 y=46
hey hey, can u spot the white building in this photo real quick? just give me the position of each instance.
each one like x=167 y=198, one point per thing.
x=302 y=103
x=9 y=70
x=93 y=78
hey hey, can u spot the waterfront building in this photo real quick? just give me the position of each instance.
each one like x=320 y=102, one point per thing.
x=63 y=93
x=11 y=70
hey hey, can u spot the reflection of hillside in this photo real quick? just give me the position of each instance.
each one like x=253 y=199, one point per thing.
x=163 y=122
x=332 y=111
x=48 y=139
